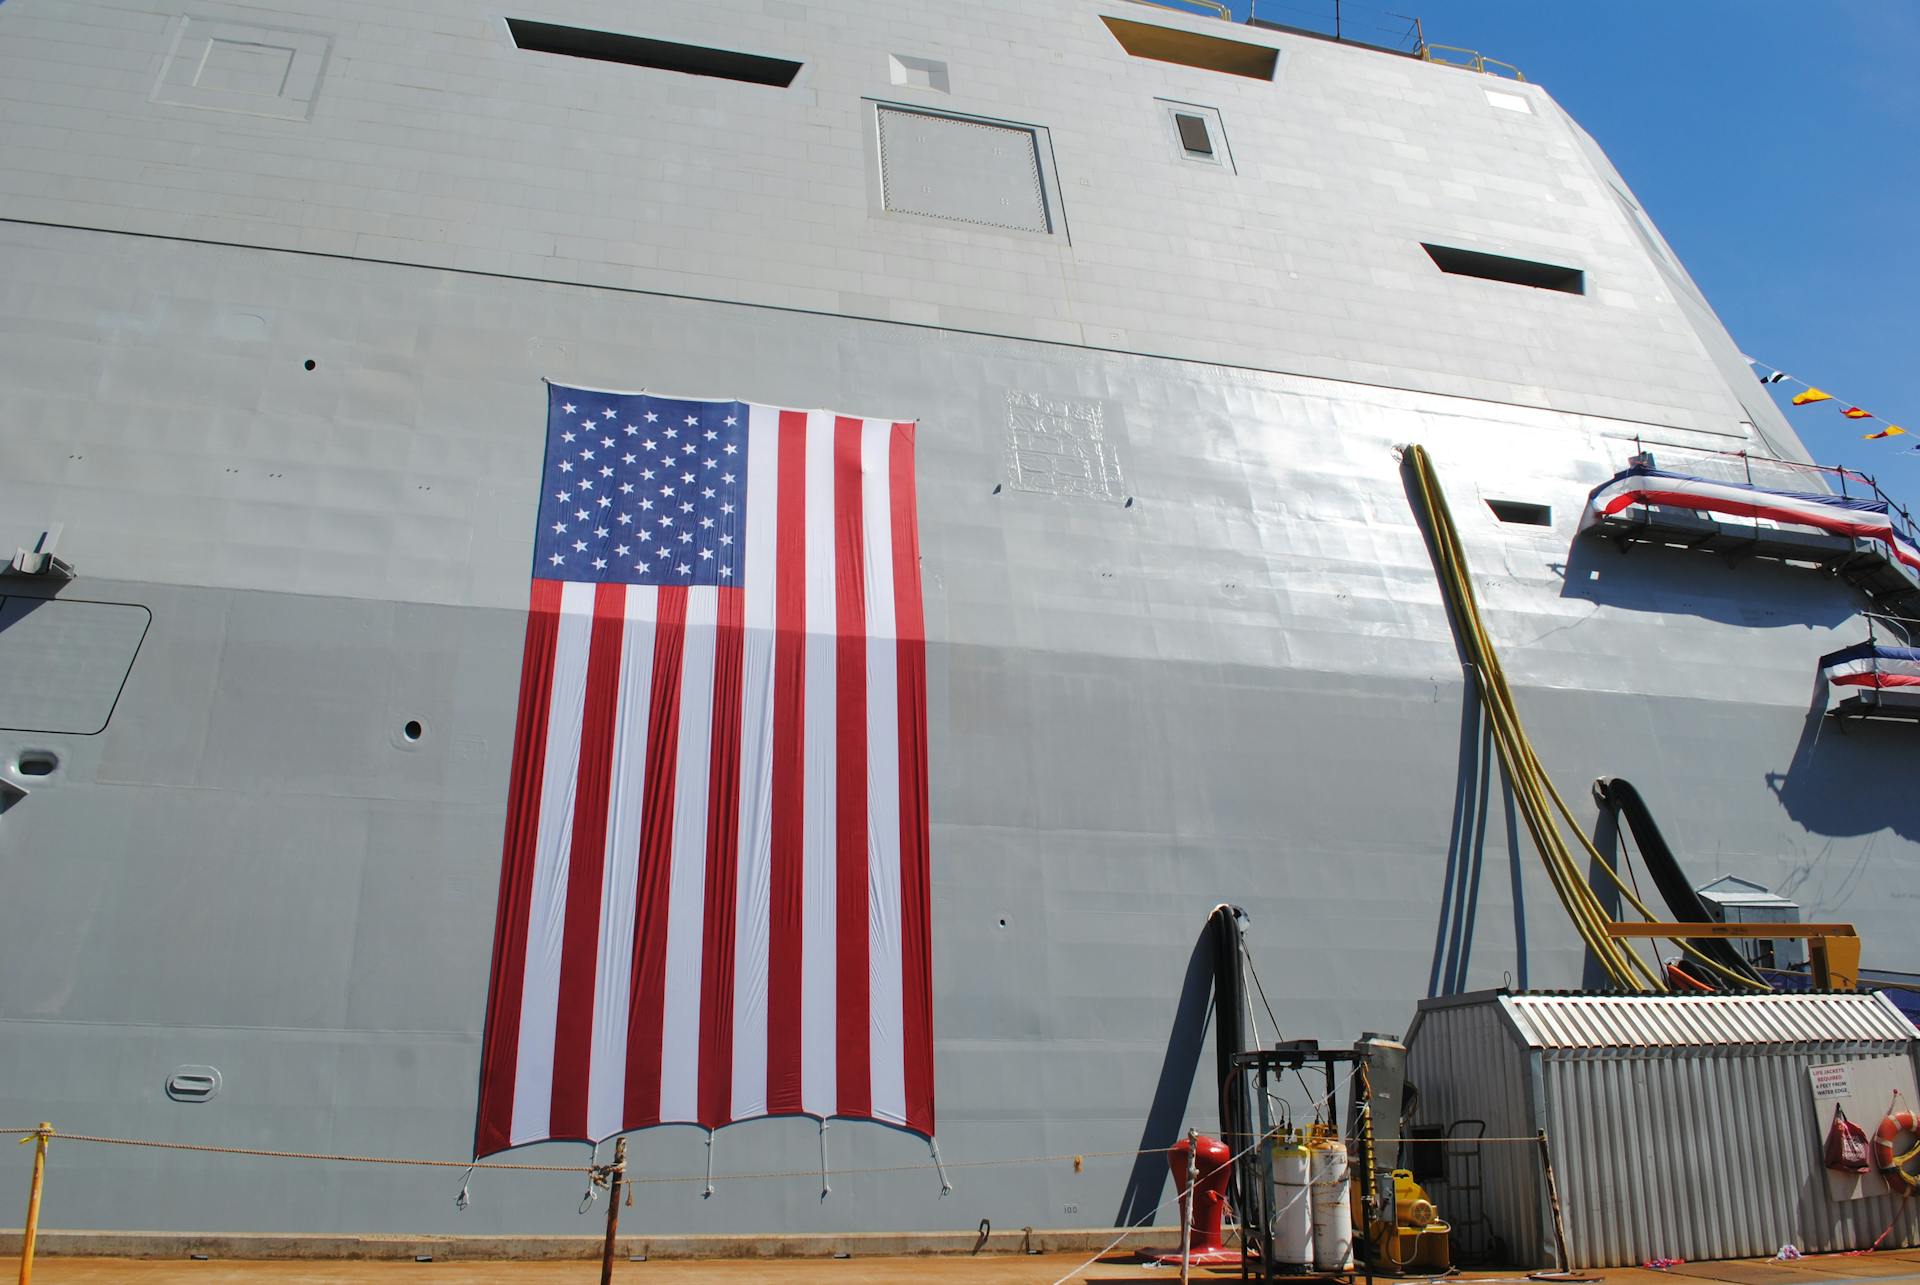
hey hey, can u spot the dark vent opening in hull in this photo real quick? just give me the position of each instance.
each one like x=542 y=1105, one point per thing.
x=662 y=55
x=37 y=763
x=1190 y=49
x=1522 y=512
x=1498 y=267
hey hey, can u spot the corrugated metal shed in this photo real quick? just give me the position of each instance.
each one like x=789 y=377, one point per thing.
x=1679 y=1126
x=1595 y=1022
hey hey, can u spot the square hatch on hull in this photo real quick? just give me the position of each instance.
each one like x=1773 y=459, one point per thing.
x=240 y=67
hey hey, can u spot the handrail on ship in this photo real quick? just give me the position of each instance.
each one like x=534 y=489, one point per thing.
x=1341 y=22
x=1471 y=60
x=1912 y=531
x=1337 y=20
x=1214 y=6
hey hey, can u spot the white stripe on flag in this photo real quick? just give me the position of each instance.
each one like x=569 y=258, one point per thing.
x=613 y=980
x=885 y=956
x=686 y=903
x=755 y=889
x=547 y=907
x=819 y=952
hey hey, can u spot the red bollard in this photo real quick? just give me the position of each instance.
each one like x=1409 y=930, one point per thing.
x=1210 y=1206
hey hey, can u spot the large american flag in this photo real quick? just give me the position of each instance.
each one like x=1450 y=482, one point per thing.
x=713 y=894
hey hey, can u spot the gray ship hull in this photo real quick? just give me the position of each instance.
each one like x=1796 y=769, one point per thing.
x=1214 y=668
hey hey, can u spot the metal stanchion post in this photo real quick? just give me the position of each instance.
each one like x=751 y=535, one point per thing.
x=615 y=1177
x=39 y=1139
x=1186 y=1207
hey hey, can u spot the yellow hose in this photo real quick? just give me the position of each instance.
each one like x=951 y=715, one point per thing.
x=1533 y=790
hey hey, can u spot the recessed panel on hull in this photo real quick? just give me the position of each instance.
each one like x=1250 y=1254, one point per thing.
x=62 y=664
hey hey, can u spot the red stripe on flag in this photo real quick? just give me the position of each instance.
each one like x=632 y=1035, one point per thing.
x=916 y=938
x=853 y=988
x=586 y=865
x=500 y=1051
x=723 y=866
x=647 y=997
x=784 y=1015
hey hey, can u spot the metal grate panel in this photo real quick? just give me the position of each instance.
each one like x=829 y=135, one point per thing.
x=970 y=171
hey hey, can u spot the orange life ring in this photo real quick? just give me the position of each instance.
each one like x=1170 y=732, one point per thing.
x=1891 y=1127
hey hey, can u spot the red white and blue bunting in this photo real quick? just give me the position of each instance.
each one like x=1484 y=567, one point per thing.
x=1863 y=519
x=1872 y=665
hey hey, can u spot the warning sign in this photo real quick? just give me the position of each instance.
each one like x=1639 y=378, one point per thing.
x=1861 y=1088
x=1831 y=1083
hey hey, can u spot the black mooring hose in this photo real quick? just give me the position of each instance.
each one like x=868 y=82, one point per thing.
x=1672 y=881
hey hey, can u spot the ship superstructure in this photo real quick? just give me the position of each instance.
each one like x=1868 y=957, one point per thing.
x=280 y=284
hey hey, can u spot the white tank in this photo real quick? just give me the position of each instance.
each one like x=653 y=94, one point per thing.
x=1292 y=1205
x=1332 y=1208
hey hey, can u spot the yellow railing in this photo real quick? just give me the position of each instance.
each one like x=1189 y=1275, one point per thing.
x=1469 y=59
x=1212 y=6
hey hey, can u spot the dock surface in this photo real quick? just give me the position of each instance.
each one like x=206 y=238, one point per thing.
x=1883 y=1268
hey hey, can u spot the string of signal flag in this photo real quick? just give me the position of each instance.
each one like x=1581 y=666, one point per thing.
x=1809 y=396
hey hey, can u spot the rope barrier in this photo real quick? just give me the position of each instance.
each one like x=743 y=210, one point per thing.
x=1065 y=1157
x=303 y=1155
x=597 y=1174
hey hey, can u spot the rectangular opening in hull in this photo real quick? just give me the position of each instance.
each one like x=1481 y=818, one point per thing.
x=1190 y=49
x=1498 y=267
x=1522 y=512
x=662 y=55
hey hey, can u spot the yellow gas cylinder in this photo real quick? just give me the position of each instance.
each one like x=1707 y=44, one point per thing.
x=1411 y=1208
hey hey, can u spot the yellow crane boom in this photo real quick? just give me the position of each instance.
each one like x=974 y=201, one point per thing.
x=1834 y=948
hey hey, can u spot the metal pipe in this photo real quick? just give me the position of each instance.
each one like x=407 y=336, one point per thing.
x=32 y=1231
x=1186 y=1207
x=1229 y=1038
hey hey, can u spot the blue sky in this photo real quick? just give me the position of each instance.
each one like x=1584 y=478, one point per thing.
x=1776 y=144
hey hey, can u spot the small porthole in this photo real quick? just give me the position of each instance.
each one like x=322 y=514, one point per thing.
x=311 y=363
x=37 y=763
x=1197 y=133
x=1193 y=134
x=1522 y=513
x=413 y=731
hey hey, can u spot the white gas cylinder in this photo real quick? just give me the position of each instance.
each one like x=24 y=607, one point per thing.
x=1332 y=1208
x=1292 y=1205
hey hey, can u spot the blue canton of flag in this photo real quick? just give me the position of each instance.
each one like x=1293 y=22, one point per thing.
x=642 y=490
